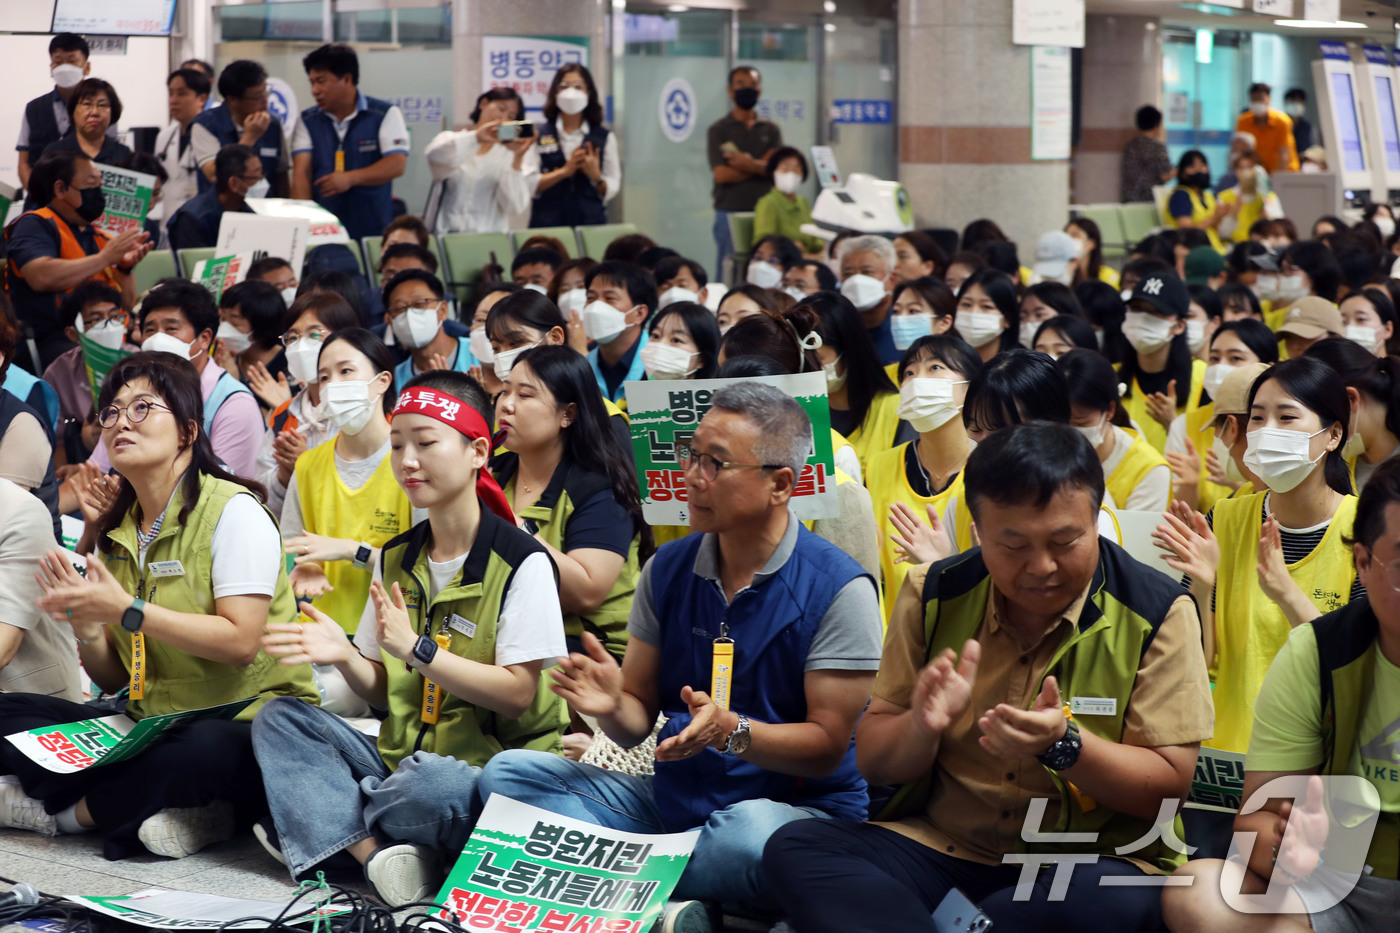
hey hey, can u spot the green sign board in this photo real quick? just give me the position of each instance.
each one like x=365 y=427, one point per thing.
x=128 y=196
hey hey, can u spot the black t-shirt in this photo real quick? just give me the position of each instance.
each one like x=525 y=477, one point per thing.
x=762 y=137
x=112 y=152
x=33 y=237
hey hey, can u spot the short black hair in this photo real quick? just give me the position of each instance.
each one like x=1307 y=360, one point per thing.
x=786 y=152
x=1027 y=464
x=535 y=255
x=88 y=293
x=652 y=255
x=230 y=163
x=53 y=167
x=1147 y=118
x=1260 y=87
x=414 y=275
x=200 y=65
x=91 y=87
x=498 y=93
x=458 y=385
x=263 y=266
x=197 y=81
x=239 y=77
x=641 y=287
x=400 y=250
x=1296 y=93
x=70 y=42
x=337 y=58
x=738 y=68
x=826 y=279
x=1320 y=264
x=191 y=299
x=146 y=163
x=261 y=306
x=1016 y=386
x=333 y=280
x=670 y=267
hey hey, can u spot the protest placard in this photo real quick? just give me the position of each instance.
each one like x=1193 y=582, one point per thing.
x=1218 y=783
x=98 y=361
x=222 y=272
x=128 y=195
x=259 y=236
x=187 y=910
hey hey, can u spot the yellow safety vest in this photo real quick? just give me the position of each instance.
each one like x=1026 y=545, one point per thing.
x=1202 y=206
x=1109 y=276
x=374 y=513
x=1140 y=459
x=1152 y=430
x=1249 y=627
x=1200 y=430
x=877 y=431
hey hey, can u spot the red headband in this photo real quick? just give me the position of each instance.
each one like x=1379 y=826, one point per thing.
x=461 y=417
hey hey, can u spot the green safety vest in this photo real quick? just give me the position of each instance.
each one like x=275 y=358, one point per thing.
x=1100 y=657
x=549 y=515
x=463 y=731
x=177 y=680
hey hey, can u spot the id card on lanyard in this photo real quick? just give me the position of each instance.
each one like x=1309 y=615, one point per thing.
x=340 y=159
x=722 y=668
x=432 y=691
x=138 y=656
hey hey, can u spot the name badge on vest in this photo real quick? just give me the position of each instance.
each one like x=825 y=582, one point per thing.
x=458 y=624
x=548 y=144
x=1094 y=706
x=268 y=152
x=167 y=568
x=369 y=145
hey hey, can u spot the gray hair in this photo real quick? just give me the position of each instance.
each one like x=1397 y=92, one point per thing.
x=869 y=244
x=784 y=430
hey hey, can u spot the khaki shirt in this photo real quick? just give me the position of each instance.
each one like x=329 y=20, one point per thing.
x=979 y=802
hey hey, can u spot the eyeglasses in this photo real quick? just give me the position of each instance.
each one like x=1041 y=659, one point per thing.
x=710 y=466
x=291 y=336
x=1391 y=570
x=419 y=305
x=94 y=104
x=136 y=412
x=103 y=315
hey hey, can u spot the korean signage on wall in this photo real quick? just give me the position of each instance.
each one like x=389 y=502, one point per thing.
x=528 y=63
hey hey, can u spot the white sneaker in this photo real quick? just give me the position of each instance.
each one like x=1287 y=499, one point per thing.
x=20 y=811
x=404 y=874
x=265 y=831
x=685 y=917
x=178 y=832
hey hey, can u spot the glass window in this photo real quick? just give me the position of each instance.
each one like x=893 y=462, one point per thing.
x=281 y=21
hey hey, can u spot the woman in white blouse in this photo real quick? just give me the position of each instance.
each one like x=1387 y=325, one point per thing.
x=576 y=169
x=485 y=182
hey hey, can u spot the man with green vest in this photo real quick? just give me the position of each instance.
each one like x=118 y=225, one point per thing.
x=1045 y=683
x=463 y=615
x=1329 y=706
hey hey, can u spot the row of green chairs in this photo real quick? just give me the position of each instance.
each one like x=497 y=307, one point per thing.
x=1121 y=225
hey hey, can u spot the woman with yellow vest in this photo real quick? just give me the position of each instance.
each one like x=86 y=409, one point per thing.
x=463 y=616
x=572 y=486
x=863 y=401
x=1136 y=476
x=924 y=477
x=186 y=576
x=1263 y=564
x=1373 y=387
x=1091 y=266
x=988 y=314
x=1162 y=377
x=1192 y=203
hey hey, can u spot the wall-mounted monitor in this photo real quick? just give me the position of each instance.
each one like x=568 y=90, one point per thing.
x=114 y=17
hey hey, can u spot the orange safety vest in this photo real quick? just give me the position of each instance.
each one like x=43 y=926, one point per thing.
x=68 y=248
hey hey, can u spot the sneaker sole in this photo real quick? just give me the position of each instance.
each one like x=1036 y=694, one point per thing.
x=403 y=877
x=21 y=811
x=690 y=918
x=265 y=840
x=177 y=833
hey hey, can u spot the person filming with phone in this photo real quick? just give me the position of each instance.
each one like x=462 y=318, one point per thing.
x=482 y=173
x=576 y=169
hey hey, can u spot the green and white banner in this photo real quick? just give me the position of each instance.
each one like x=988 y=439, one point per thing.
x=222 y=272
x=98 y=360
x=128 y=197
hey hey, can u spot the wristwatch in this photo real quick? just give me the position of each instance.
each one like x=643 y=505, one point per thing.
x=424 y=651
x=362 y=556
x=134 y=615
x=1065 y=752
x=739 y=739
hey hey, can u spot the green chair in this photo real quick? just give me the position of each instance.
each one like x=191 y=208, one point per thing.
x=565 y=235
x=158 y=264
x=741 y=231
x=1139 y=221
x=1110 y=227
x=189 y=258
x=466 y=253
x=595 y=239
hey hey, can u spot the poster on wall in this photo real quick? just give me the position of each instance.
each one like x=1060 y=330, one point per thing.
x=1050 y=103
x=1048 y=22
x=528 y=63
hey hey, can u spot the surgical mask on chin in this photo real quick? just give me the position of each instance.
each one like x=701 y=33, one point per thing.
x=1386 y=225
x=1279 y=457
x=1195 y=335
x=1368 y=337
x=259 y=189
x=1214 y=377
x=572 y=300
x=235 y=341
x=663 y=361
x=66 y=76
x=602 y=323
x=504 y=360
x=480 y=345
x=349 y=404
x=906 y=328
x=416 y=327
x=289 y=294
x=165 y=343
x=927 y=404
x=863 y=291
x=571 y=100
x=1028 y=332
x=674 y=294
x=834 y=383
x=763 y=274
x=1094 y=432
x=978 y=328
x=1147 y=333
x=109 y=334
x=302 y=357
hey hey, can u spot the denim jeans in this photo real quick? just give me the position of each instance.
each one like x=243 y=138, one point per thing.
x=727 y=864
x=724 y=243
x=328 y=788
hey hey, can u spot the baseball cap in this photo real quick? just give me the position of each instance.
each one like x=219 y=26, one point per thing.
x=1165 y=292
x=1233 y=398
x=1312 y=317
x=1202 y=264
x=1053 y=252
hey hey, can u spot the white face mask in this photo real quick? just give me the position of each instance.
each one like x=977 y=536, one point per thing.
x=1232 y=469
x=927 y=404
x=674 y=294
x=663 y=361
x=906 y=328
x=258 y=189
x=1356 y=444
x=1297 y=110
x=506 y=359
x=480 y=345
x=834 y=383
x=1028 y=332
x=1195 y=335
x=416 y=327
x=1094 y=433
x=978 y=328
x=1148 y=333
x=1368 y=337
x=1280 y=457
x=1214 y=376
x=763 y=274
x=66 y=76
x=536 y=287
x=1291 y=287
x=1259 y=108
x=301 y=359
x=109 y=334
x=714 y=294
x=602 y=322
x=289 y=294
x=349 y=404
x=787 y=182
x=864 y=291
x=165 y=343
x=235 y=341
x=571 y=100
x=1386 y=225
x=572 y=300
x=796 y=293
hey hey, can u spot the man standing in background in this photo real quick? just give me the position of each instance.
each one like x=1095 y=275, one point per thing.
x=1272 y=129
x=739 y=144
x=1145 y=162
x=1295 y=102
x=244 y=120
x=46 y=117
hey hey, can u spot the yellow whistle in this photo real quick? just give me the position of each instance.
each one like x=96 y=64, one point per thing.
x=722 y=672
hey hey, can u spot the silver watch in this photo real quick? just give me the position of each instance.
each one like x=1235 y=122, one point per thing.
x=739 y=739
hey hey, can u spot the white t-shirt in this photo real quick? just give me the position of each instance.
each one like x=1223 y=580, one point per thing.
x=1153 y=491
x=246 y=553
x=530 y=626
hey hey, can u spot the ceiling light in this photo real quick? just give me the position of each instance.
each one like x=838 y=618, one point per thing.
x=1318 y=24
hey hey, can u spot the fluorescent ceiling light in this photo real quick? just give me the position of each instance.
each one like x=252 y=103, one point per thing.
x=1318 y=24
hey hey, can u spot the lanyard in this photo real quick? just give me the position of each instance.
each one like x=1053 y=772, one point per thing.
x=138 y=652
x=722 y=667
x=432 y=691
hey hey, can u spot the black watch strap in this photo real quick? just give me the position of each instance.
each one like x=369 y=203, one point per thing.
x=134 y=615
x=424 y=651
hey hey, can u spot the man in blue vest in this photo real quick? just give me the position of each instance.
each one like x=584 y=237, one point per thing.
x=621 y=299
x=740 y=755
x=241 y=119
x=239 y=175
x=46 y=117
x=349 y=148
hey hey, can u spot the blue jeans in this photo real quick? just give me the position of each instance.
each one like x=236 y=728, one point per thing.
x=727 y=864
x=724 y=243
x=328 y=788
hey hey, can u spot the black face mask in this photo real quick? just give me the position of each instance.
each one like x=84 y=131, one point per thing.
x=94 y=204
x=746 y=97
x=1196 y=179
